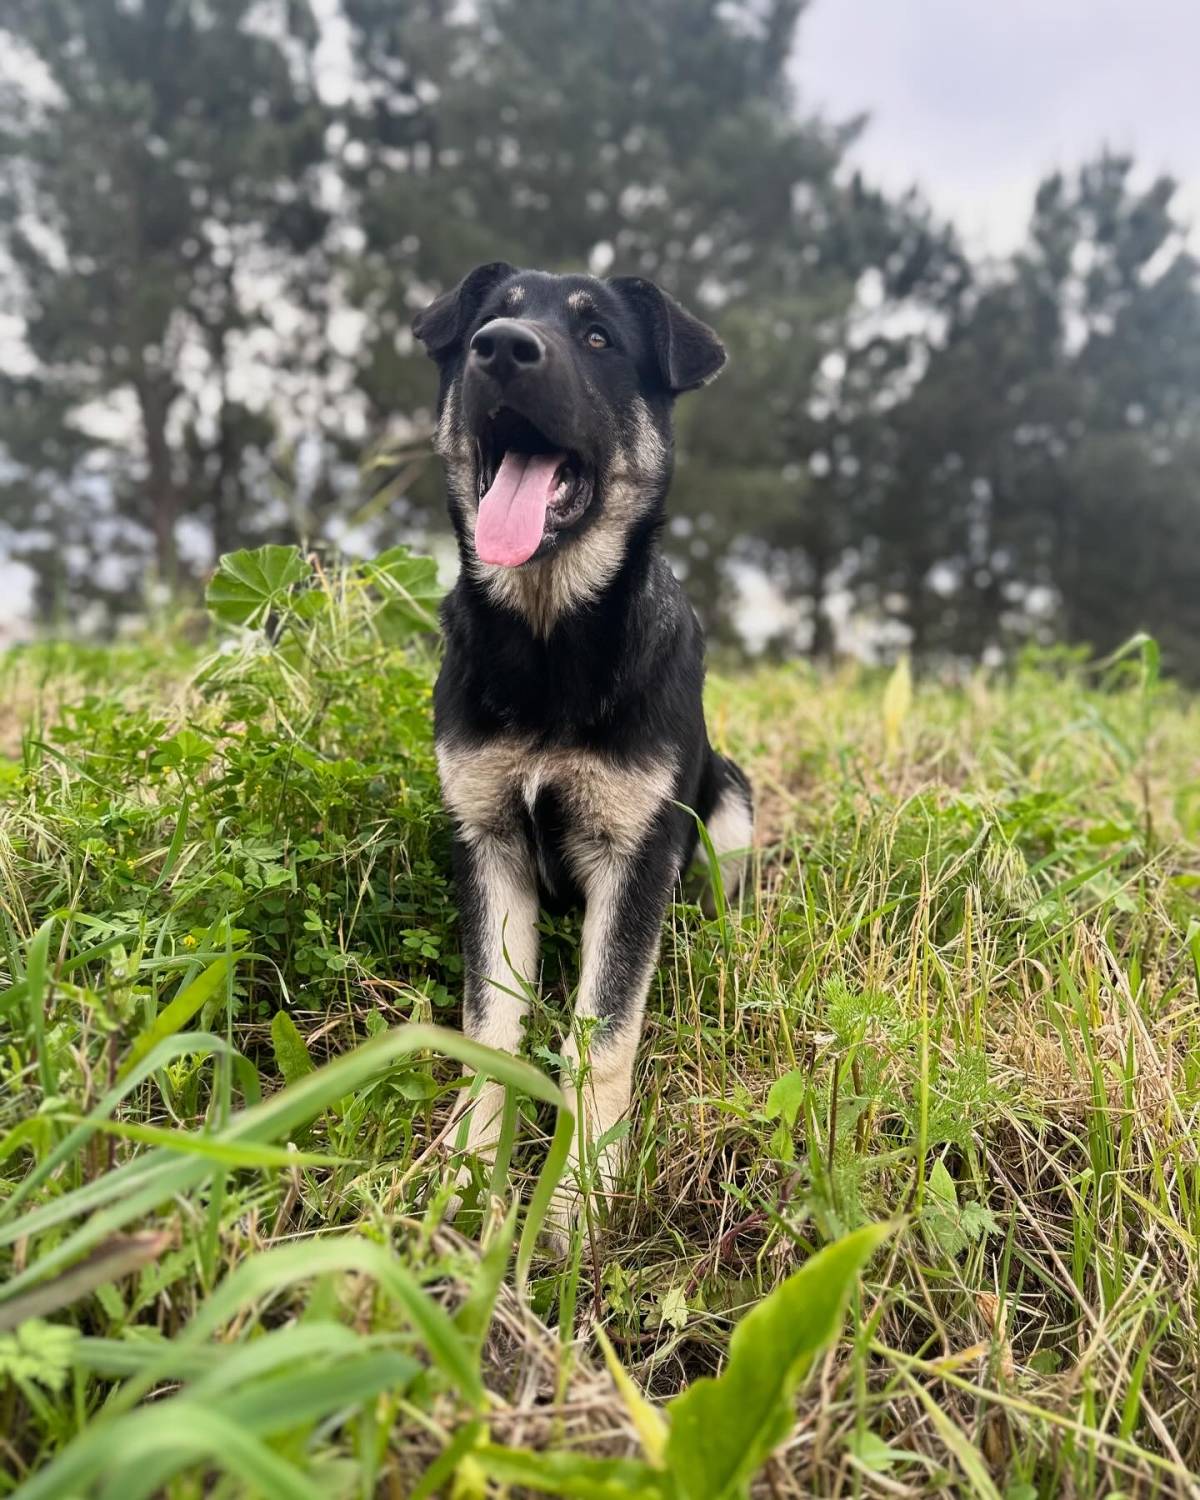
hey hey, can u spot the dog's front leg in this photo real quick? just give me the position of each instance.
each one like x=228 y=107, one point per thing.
x=497 y=895
x=627 y=898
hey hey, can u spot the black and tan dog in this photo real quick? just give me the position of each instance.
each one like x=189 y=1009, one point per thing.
x=568 y=714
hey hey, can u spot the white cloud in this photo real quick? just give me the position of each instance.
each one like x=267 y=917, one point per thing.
x=977 y=102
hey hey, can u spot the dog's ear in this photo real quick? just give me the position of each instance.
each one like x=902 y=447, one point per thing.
x=689 y=353
x=442 y=324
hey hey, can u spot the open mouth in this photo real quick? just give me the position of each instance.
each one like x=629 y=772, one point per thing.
x=529 y=488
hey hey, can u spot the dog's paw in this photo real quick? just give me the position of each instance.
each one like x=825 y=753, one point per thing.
x=562 y=1222
x=465 y=1185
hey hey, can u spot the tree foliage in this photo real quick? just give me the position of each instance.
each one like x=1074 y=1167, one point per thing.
x=218 y=216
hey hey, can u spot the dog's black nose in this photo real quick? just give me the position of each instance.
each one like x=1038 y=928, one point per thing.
x=506 y=346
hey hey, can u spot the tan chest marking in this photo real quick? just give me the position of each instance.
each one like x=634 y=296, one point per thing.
x=608 y=802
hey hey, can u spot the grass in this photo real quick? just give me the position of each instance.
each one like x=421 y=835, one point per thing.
x=960 y=997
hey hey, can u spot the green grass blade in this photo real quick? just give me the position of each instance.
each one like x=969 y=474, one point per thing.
x=118 y=1359
x=141 y=1452
x=193 y=1043
x=437 y=1476
x=17 y=992
x=180 y=1010
x=548 y=1179
x=275 y=1118
x=88 y=1198
x=35 y=1003
x=574 y=1476
x=295 y=1400
x=272 y=1270
x=176 y=845
x=149 y=1191
x=972 y=1462
x=320 y=1339
x=234 y=1154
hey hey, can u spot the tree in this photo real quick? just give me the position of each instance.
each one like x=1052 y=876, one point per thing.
x=1041 y=456
x=805 y=441
x=659 y=137
x=158 y=205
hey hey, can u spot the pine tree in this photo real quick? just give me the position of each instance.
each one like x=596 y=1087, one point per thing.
x=157 y=202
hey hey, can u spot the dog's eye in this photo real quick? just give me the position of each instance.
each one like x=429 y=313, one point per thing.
x=597 y=338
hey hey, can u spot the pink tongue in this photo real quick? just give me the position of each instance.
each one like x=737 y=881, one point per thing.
x=512 y=515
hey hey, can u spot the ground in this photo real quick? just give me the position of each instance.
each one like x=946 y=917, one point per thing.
x=959 y=999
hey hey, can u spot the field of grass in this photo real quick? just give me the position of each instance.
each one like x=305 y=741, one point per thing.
x=959 y=1002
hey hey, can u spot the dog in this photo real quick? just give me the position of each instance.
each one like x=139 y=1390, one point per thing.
x=568 y=719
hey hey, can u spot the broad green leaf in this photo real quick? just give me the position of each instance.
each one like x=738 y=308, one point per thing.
x=249 y=584
x=874 y=1454
x=941 y=1185
x=409 y=584
x=950 y=1225
x=724 y=1429
x=786 y=1097
x=673 y=1308
x=291 y=1055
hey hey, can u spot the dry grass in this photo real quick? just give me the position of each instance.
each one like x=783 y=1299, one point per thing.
x=970 y=952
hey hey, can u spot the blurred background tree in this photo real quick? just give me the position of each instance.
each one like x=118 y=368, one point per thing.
x=218 y=216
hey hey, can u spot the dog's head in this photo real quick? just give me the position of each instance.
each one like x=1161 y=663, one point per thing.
x=554 y=412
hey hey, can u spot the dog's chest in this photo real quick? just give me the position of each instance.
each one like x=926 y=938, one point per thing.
x=505 y=783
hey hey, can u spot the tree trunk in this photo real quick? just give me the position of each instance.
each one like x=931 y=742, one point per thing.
x=822 y=626
x=916 y=607
x=154 y=401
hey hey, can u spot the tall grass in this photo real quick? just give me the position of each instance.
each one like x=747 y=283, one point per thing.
x=959 y=999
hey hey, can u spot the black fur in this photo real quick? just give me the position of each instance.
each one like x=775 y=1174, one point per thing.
x=617 y=672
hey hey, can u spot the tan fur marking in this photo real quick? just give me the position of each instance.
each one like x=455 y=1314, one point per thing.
x=510 y=964
x=543 y=592
x=610 y=805
x=448 y=440
x=604 y=1097
x=731 y=828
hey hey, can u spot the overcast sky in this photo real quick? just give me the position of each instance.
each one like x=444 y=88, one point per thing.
x=976 y=99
